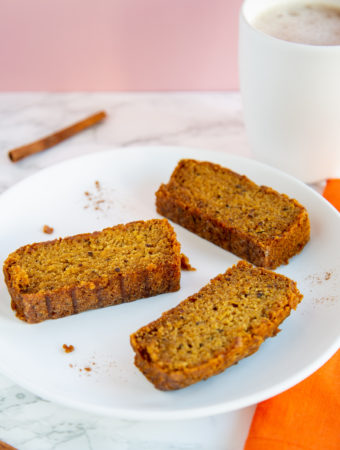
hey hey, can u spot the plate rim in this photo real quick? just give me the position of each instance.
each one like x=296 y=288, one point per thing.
x=189 y=413
x=160 y=415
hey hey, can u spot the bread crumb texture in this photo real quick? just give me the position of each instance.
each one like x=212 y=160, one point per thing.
x=66 y=276
x=225 y=321
x=254 y=222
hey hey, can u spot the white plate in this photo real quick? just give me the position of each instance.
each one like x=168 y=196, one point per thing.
x=32 y=355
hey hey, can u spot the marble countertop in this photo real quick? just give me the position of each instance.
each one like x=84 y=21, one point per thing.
x=200 y=120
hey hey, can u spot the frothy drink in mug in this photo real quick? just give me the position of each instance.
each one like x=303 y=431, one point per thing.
x=289 y=59
x=303 y=22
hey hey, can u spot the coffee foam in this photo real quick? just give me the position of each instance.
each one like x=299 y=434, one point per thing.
x=306 y=23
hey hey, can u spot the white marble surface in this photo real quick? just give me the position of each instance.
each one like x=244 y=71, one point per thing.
x=200 y=120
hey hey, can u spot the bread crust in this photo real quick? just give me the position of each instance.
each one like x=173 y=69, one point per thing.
x=119 y=287
x=243 y=345
x=269 y=253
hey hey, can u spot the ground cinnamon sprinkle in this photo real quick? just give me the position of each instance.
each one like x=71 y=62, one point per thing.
x=47 y=229
x=68 y=348
x=84 y=370
x=97 y=200
x=318 y=278
x=326 y=300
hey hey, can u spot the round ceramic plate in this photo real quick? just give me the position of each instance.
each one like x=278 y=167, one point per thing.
x=117 y=186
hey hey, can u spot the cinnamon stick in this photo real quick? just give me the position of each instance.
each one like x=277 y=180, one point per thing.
x=4 y=446
x=53 y=139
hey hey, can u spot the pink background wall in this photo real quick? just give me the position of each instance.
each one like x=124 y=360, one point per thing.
x=61 y=45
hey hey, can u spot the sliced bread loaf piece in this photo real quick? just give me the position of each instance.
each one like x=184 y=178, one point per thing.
x=254 y=222
x=53 y=279
x=227 y=320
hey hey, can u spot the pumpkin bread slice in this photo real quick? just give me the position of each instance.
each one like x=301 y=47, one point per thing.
x=227 y=320
x=53 y=279
x=254 y=222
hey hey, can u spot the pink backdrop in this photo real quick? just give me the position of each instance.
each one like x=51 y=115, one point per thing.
x=62 y=45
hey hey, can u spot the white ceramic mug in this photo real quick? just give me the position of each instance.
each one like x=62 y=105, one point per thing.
x=291 y=99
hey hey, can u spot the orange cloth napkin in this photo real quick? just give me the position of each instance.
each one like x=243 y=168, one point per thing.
x=332 y=192
x=307 y=416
